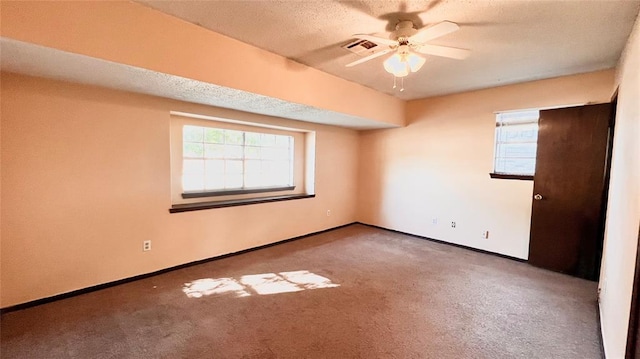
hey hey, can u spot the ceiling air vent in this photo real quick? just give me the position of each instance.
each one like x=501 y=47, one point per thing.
x=362 y=47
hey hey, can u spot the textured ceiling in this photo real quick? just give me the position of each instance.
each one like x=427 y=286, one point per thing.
x=34 y=60
x=511 y=41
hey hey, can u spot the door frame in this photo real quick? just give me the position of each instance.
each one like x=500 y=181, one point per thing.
x=633 y=331
x=607 y=180
x=634 y=315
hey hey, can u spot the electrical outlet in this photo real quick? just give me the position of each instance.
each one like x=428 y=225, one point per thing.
x=328 y=212
x=453 y=224
x=434 y=221
x=485 y=234
x=146 y=246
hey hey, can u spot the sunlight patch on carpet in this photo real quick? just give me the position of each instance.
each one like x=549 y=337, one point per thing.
x=263 y=284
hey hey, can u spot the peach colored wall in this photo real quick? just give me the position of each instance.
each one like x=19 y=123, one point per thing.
x=438 y=166
x=132 y=34
x=623 y=212
x=86 y=174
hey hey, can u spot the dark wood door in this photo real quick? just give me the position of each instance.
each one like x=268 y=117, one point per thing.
x=568 y=190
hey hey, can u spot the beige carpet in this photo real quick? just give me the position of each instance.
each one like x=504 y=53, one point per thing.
x=355 y=292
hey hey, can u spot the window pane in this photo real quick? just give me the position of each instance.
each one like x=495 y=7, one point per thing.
x=517 y=150
x=251 y=181
x=214 y=167
x=213 y=181
x=233 y=181
x=268 y=140
x=193 y=166
x=268 y=177
x=280 y=180
x=192 y=133
x=267 y=153
x=251 y=139
x=213 y=151
x=233 y=137
x=519 y=133
x=514 y=117
x=276 y=173
x=283 y=141
x=192 y=149
x=214 y=135
x=192 y=182
x=253 y=167
x=274 y=153
x=232 y=151
x=252 y=152
x=515 y=166
x=282 y=169
x=233 y=167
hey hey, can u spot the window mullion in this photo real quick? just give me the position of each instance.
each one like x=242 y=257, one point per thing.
x=224 y=161
x=244 y=160
x=204 y=164
x=291 y=159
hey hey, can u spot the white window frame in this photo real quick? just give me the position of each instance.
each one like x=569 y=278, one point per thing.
x=286 y=148
x=524 y=118
x=303 y=172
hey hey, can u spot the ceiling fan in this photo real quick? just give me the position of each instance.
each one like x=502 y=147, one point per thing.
x=406 y=40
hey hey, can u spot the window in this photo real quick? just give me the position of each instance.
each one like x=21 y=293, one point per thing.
x=217 y=160
x=516 y=143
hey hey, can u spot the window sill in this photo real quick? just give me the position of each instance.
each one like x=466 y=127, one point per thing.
x=511 y=177
x=236 y=191
x=236 y=202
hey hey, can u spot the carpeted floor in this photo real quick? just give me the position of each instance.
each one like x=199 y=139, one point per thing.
x=355 y=292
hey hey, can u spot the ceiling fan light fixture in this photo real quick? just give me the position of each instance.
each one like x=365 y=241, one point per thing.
x=402 y=63
x=415 y=62
x=396 y=65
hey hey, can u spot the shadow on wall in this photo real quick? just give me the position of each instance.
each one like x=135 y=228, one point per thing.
x=403 y=173
x=262 y=284
x=371 y=169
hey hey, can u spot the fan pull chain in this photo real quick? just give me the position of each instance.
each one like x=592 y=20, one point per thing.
x=395 y=85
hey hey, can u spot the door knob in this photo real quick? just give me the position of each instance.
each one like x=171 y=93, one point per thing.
x=537 y=196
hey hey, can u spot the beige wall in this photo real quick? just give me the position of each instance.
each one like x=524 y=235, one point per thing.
x=438 y=166
x=86 y=174
x=623 y=214
x=129 y=33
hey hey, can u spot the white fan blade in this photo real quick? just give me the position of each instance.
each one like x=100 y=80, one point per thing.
x=435 y=31
x=370 y=57
x=376 y=39
x=444 y=51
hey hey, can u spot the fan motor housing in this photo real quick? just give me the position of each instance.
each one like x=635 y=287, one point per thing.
x=404 y=30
